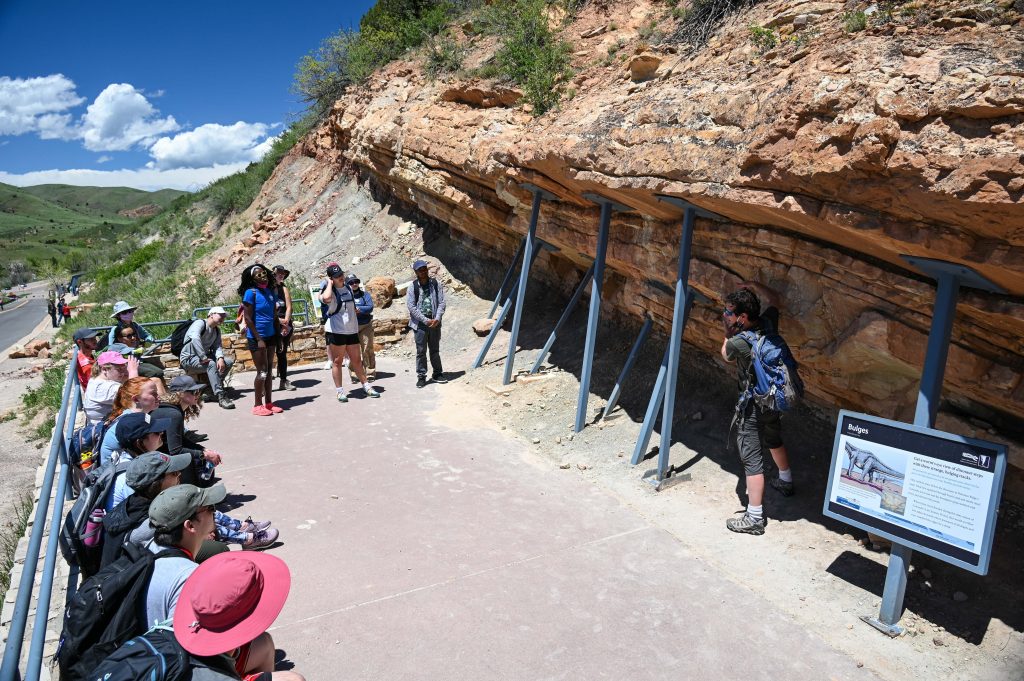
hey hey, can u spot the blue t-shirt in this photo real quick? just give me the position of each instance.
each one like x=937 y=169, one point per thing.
x=263 y=301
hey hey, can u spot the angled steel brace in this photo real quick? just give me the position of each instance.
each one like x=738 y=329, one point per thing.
x=573 y=302
x=505 y=309
x=641 y=338
x=508 y=277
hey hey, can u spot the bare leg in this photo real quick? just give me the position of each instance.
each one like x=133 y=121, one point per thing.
x=259 y=360
x=336 y=354
x=780 y=458
x=355 y=363
x=268 y=382
x=755 y=489
x=261 y=659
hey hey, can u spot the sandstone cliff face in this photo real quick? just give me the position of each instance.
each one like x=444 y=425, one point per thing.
x=829 y=157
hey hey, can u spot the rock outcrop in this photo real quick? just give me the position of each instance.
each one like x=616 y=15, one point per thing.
x=829 y=157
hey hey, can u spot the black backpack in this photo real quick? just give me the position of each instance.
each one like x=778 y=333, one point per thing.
x=338 y=302
x=153 y=656
x=105 y=612
x=71 y=539
x=178 y=336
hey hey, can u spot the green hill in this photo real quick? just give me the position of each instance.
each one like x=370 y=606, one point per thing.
x=48 y=222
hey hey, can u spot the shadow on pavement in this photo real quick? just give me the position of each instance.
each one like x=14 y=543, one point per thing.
x=233 y=501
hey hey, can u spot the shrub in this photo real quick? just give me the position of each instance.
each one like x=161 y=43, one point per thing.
x=444 y=55
x=763 y=38
x=855 y=21
x=700 y=21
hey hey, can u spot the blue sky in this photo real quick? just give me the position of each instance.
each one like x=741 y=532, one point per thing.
x=148 y=94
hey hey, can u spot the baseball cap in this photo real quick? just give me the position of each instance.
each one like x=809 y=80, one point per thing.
x=146 y=469
x=419 y=263
x=180 y=384
x=352 y=278
x=84 y=333
x=333 y=270
x=111 y=357
x=229 y=600
x=216 y=310
x=120 y=348
x=136 y=425
x=175 y=505
x=281 y=268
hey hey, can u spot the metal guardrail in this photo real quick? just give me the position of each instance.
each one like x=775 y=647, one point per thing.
x=59 y=444
x=304 y=312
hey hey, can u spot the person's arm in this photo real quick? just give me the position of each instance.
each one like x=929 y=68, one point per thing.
x=439 y=312
x=367 y=305
x=725 y=351
x=133 y=366
x=410 y=304
x=144 y=335
x=327 y=293
x=193 y=346
x=287 y=305
x=174 y=438
x=218 y=351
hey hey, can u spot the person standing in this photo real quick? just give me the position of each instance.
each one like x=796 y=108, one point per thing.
x=262 y=329
x=425 y=302
x=342 y=331
x=364 y=315
x=51 y=309
x=743 y=313
x=203 y=353
x=65 y=309
x=284 y=314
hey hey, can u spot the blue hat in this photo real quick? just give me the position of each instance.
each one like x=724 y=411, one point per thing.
x=419 y=263
x=120 y=348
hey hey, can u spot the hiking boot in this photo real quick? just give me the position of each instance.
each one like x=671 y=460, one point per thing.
x=285 y=384
x=261 y=411
x=224 y=402
x=439 y=378
x=273 y=407
x=784 y=488
x=250 y=525
x=260 y=539
x=421 y=381
x=342 y=397
x=746 y=524
x=370 y=392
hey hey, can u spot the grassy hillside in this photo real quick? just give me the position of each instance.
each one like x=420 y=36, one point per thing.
x=64 y=223
x=100 y=201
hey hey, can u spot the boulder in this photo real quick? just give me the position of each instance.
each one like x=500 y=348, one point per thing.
x=34 y=346
x=19 y=352
x=382 y=290
x=643 y=66
x=482 y=327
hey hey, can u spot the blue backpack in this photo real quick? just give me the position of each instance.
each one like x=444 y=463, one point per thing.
x=86 y=440
x=777 y=385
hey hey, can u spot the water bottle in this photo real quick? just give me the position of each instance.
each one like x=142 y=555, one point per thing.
x=93 y=534
x=207 y=471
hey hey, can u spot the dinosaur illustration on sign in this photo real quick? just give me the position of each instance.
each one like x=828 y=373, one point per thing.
x=872 y=469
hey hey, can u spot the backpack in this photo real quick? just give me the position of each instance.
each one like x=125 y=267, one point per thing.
x=72 y=539
x=777 y=385
x=153 y=656
x=178 y=336
x=85 y=443
x=325 y=308
x=105 y=612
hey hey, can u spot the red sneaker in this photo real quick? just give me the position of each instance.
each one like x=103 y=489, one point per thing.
x=261 y=411
x=273 y=407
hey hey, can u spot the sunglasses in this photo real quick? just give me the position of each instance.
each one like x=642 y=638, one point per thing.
x=728 y=313
x=127 y=335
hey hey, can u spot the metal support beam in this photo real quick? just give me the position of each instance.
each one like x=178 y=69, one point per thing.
x=505 y=309
x=590 y=344
x=573 y=302
x=651 y=415
x=508 y=277
x=950 y=277
x=630 y=361
x=524 y=274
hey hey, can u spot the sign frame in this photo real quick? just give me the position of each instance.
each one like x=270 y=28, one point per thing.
x=880 y=528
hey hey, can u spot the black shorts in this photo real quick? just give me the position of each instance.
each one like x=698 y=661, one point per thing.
x=270 y=341
x=342 y=338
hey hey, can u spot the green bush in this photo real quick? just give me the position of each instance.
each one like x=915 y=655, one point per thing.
x=133 y=262
x=444 y=55
x=763 y=38
x=855 y=21
x=50 y=393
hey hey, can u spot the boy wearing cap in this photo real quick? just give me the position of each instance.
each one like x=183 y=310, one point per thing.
x=203 y=352
x=225 y=609
x=87 y=342
x=364 y=315
x=342 y=331
x=425 y=302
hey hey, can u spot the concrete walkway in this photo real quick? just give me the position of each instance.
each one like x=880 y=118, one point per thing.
x=419 y=551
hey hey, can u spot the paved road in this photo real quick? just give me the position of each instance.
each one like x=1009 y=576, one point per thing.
x=422 y=552
x=20 y=317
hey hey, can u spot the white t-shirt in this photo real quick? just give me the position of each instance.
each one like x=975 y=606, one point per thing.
x=99 y=399
x=342 y=319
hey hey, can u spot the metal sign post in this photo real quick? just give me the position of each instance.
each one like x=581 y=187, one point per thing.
x=589 y=346
x=950 y=276
x=524 y=274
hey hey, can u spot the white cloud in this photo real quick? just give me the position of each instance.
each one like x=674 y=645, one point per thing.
x=189 y=179
x=211 y=144
x=34 y=104
x=120 y=118
x=104 y=159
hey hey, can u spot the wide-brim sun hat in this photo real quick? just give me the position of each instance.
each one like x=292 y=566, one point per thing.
x=120 y=307
x=229 y=600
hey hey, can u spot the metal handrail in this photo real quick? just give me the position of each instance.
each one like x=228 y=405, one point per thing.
x=304 y=312
x=59 y=443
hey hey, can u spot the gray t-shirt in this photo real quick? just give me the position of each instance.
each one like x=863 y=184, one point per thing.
x=169 y=575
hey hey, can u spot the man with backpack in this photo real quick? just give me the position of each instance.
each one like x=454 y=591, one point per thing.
x=749 y=334
x=425 y=302
x=202 y=351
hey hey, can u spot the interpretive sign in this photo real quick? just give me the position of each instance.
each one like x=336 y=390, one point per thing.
x=935 y=492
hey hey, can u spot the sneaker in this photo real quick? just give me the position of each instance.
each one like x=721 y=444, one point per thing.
x=421 y=381
x=260 y=539
x=342 y=397
x=439 y=378
x=746 y=524
x=250 y=525
x=370 y=392
x=273 y=407
x=225 y=403
x=261 y=411
x=784 y=488
x=285 y=384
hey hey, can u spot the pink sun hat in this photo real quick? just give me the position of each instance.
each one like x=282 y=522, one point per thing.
x=229 y=600
x=111 y=357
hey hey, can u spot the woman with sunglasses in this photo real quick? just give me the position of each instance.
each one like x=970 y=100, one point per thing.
x=263 y=331
x=129 y=336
